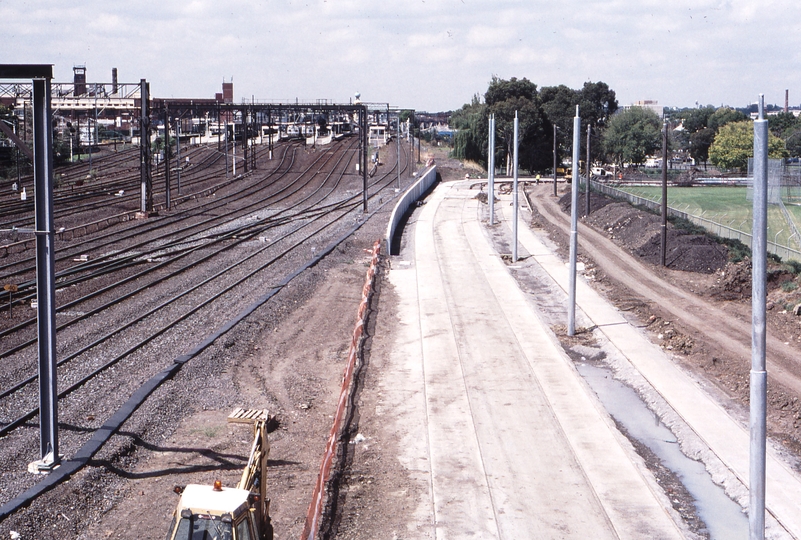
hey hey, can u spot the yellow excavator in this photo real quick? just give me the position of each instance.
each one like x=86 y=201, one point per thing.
x=239 y=513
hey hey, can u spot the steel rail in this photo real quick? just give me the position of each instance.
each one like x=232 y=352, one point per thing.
x=348 y=205
x=131 y=278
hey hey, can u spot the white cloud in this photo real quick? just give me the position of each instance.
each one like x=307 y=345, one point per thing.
x=432 y=54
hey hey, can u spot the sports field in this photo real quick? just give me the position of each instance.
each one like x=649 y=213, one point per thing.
x=727 y=205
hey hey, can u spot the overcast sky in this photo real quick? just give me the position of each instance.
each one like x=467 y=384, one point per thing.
x=423 y=54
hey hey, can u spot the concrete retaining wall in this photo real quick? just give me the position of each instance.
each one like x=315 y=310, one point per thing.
x=411 y=196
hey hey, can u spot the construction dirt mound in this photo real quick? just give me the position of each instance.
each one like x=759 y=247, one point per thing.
x=640 y=232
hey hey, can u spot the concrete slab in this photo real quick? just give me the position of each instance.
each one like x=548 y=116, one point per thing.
x=518 y=446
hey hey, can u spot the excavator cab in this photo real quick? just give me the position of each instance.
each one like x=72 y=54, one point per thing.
x=220 y=513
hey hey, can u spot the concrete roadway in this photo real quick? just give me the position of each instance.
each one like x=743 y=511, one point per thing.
x=498 y=424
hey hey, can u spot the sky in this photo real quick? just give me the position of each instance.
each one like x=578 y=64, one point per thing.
x=428 y=55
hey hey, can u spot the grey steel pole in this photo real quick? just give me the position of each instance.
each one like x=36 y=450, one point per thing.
x=515 y=208
x=759 y=376
x=270 y=138
x=663 y=253
x=491 y=167
x=363 y=128
x=409 y=138
x=45 y=271
x=245 y=128
x=399 y=138
x=571 y=305
x=589 y=170
x=178 y=153
x=89 y=131
x=144 y=149
x=16 y=132
x=167 y=155
x=554 y=160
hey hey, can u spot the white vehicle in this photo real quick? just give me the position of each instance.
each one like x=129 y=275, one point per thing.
x=599 y=171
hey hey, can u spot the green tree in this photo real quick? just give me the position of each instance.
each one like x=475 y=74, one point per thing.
x=697 y=119
x=632 y=135
x=700 y=141
x=503 y=98
x=723 y=116
x=783 y=124
x=470 y=123
x=734 y=144
x=559 y=104
x=597 y=103
x=793 y=143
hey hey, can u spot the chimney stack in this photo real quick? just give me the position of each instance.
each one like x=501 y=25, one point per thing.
x=114 y=80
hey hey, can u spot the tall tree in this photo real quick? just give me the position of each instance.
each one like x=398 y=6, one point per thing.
x=632 y=135
x=697 y=119
x=734 y=144
x=782 y=124
x=559 y=104
x=470 y=123
x=700 y=141
x=503 y=98
x=723 y=116
x=597 y=103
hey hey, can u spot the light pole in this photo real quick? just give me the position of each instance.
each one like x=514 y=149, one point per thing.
x=758 y=376
x=398 y=145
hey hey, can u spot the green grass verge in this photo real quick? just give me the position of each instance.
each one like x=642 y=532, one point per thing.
x=727 y=205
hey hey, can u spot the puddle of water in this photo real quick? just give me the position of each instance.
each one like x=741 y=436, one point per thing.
x=723 y=517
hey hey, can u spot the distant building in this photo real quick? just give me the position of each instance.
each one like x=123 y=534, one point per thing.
x=228 y=92
x=429 y=122
x=648 y=104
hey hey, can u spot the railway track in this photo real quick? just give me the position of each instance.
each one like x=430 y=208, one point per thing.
x=118 y=191
x=165 y=283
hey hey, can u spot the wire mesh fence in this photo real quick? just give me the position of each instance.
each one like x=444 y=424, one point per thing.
x=713 y=227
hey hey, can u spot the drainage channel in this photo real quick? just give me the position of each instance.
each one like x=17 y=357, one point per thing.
x=723 y=517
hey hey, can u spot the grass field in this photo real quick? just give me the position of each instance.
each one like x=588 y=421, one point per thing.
x=726 y=205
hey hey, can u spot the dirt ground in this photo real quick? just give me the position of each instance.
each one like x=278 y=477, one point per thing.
x=291 y=366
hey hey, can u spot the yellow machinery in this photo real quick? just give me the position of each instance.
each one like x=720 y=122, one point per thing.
x=220 y=513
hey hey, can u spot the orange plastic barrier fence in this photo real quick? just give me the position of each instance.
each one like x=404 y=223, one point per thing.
x=315 y=511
